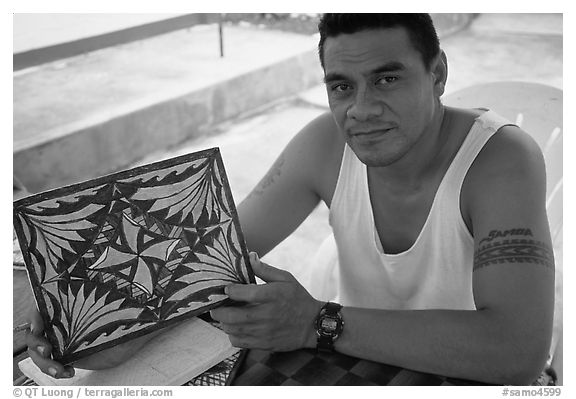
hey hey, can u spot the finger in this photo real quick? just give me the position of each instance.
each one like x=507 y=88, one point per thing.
x=239 y=342
x=36 y=322
x=39 y=344
x=241 y=330
x=49 y=366
x=237 y=315
x=229 y=315
x=266 y=272
x=242 y=341
x=249 y=342
x=252 y=293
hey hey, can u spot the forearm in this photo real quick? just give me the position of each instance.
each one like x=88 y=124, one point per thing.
x=475 y=345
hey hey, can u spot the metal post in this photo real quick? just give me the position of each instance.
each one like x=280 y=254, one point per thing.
x=220 y=35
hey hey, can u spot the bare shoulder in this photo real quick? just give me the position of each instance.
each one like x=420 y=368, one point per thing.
x=510 y=154
x=509 y=168
x=320 y=135
x=318 y=148
x=510 y=147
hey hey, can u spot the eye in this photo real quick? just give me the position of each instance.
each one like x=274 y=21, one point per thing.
x=340 y=87
x=386 y=80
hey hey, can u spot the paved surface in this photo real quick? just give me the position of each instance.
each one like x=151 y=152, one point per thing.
x=496 y=47
x=93 y=114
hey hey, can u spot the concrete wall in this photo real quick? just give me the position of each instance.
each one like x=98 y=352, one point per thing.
x=107 y=147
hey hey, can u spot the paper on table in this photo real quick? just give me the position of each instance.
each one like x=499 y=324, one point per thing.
x=171 y=358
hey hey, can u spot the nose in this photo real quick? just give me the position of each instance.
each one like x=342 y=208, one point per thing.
x=364 y=107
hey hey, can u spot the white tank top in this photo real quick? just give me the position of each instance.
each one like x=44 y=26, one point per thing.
x=436 y=272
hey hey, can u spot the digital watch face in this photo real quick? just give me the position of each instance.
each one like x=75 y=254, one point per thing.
x=329 y=324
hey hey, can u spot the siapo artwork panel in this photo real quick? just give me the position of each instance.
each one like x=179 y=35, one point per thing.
x=121 y=256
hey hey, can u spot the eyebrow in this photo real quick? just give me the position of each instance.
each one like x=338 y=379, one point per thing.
x=393 y=66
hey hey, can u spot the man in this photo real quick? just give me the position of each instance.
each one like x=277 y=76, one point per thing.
x=438 y=213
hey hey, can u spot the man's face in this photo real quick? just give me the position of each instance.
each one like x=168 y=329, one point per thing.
x=380 y=93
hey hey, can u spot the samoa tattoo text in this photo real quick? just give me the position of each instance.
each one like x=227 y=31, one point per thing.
x=512 y=246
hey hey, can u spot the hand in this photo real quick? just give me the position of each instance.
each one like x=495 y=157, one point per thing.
x=277 y=316
x=40 y=351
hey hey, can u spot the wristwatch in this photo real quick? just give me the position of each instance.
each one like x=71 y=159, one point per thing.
x=329 y=325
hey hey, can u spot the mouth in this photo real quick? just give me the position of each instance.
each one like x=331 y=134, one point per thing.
x=366 y=134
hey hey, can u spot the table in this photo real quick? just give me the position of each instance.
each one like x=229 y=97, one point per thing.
x=308 y=367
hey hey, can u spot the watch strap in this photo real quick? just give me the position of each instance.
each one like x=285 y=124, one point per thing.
x=325 y=342
x=332 y=308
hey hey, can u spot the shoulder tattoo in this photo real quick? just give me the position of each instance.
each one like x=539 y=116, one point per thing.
x=512 y=246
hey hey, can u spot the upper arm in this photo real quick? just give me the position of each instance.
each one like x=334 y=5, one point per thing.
x=513 y=275
x=291 y=188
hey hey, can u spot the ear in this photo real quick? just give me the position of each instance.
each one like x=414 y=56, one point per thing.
x=440 y=72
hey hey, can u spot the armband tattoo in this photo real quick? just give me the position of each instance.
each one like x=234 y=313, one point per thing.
x=495 y=249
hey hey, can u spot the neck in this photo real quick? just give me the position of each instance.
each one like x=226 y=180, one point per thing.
x=423 y=158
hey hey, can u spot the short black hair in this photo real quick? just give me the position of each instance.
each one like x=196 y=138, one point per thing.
x=419 y=26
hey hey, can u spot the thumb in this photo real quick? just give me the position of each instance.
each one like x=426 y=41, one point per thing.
x=266 y=272
x=36 y=322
